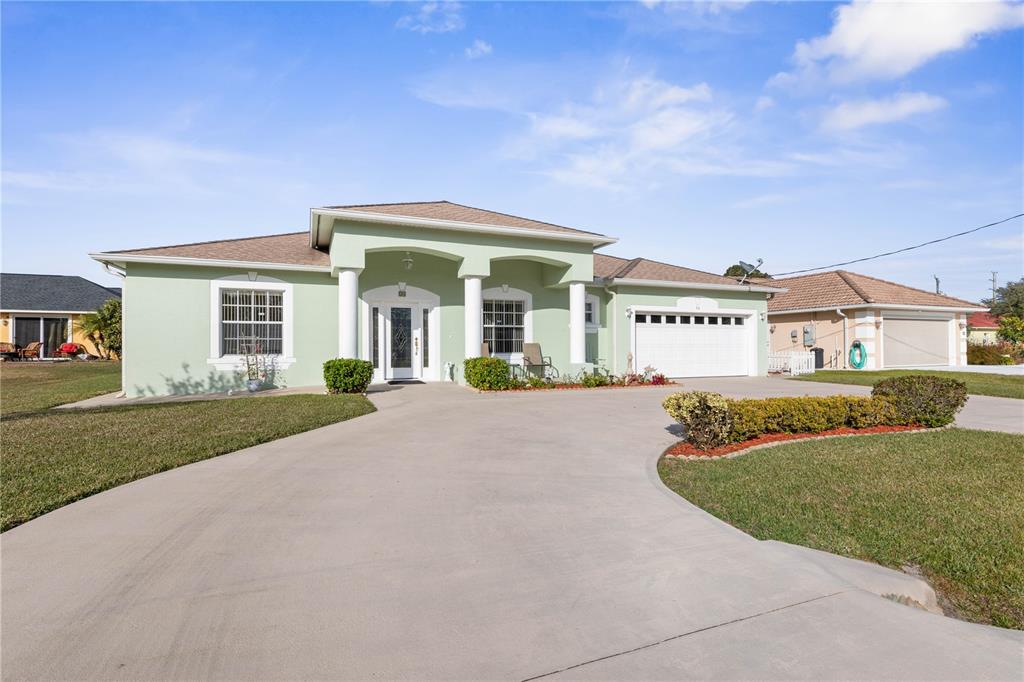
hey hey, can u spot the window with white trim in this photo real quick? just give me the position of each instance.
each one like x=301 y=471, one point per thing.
x=592 y=312
x=251 y=321
x=504 y=325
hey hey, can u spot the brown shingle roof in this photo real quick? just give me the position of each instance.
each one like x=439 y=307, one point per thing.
x=982 y=321
x=446 y=210
x=841 y=288
x=642 y=268
x=292 y=249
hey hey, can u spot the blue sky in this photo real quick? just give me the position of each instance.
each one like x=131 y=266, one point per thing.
x=697 y=134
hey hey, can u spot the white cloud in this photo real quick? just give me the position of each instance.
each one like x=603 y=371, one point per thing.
x=856 y=114
x=764 y=102
x=478 y=49
x=878 y=39
x=565 y=127
x=434 y=17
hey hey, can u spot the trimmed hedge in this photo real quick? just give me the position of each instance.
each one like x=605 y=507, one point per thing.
x=705 y=416
x=922 y=399
x=712 y=421
x=806 y=414
x=978 y=354
x=347 y=375
x=488 y=374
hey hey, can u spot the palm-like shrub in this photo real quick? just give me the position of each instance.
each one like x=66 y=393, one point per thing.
x=103 y=328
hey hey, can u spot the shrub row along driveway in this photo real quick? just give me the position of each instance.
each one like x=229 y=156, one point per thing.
x=448 y=535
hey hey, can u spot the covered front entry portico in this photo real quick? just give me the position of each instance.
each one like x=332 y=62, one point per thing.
x=399 y=323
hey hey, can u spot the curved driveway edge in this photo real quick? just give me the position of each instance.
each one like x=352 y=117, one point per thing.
x=448 y=535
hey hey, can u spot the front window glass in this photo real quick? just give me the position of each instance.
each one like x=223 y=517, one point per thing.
x=504 y=326
x=426 y=337
x=588 y=312
x=252 y=321
x=375 y=336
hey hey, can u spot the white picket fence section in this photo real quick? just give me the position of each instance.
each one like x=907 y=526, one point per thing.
x=791 y=362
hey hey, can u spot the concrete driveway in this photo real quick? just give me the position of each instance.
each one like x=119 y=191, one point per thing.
x=449 y=535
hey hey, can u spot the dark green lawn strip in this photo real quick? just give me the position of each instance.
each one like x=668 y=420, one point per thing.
x=999 y=385
x=52 y=459
x=951 y=502
x=33 y=386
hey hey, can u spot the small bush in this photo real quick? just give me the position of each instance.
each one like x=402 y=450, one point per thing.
x=348 y=375
x=659 y=379
x=594 y=380
x=989 y=354
x=534 y=381
x=488 y=374
x=922 y=399
x=704 y=415
x=863 y=412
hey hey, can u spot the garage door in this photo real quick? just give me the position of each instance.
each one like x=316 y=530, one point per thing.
x=692 y=345
x=914 y=343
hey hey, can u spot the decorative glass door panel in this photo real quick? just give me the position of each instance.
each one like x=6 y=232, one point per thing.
x=401 y=338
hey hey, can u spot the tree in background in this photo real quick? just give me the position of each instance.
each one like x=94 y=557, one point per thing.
x=738 y=271
x=1009 y=300
x=1011 y=328
x=103 y=328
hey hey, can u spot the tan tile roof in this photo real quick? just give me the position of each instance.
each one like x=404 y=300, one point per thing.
x=446 y=210
x=840 y=288
x=644 y=268
x=292 y=249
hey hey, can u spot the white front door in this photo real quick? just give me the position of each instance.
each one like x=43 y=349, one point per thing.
x=403 y=358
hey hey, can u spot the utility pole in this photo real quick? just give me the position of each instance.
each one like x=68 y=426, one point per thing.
x=936 y=284
x=994 y=273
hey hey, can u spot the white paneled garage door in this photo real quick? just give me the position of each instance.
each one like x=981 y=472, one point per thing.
x=693 y=345
x=910 y=342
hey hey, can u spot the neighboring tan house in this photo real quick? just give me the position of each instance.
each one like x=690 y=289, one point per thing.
x=46 y=308
x=982 y=328
x=898 y=325
x=417 y=288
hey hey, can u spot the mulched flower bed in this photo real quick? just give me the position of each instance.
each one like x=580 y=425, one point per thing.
x=566 y=387
x=684 y=450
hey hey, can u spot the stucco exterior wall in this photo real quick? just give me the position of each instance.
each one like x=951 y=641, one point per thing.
x=167 y=334
x=828 y=334
x=983 y=336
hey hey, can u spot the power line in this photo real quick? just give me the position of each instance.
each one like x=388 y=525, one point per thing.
x=909 y=248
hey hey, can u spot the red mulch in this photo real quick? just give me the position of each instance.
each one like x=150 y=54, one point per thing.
x=684 y=449
x=566 y=387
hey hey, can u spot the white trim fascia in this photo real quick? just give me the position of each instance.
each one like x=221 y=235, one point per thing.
x=118 y=258
x=55 y=313
x=436 y=224
x=665 y=284
x=879 y=306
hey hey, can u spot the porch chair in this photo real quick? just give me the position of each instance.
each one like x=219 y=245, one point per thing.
x=533 y=359
x=8 y=351
x=30 y=351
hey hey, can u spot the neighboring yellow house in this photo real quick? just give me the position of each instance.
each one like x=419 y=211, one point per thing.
x=982 y=329
x=46 y=308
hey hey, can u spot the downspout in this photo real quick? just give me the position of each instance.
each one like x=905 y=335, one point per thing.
x=846 y=344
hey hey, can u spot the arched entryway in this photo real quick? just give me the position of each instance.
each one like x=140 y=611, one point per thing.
x=401 y=332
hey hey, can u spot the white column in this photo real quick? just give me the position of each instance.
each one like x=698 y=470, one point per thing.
x=348 y=321
x=474 y=309
x=577 y=323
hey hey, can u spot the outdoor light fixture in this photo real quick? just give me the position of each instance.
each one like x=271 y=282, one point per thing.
x=407 y=261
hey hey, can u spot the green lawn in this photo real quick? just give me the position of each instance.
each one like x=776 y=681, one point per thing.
x=999 y=385
x=53 y=458
x=950 y=501
x=32 y=386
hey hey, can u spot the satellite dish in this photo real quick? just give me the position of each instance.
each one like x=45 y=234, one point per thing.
x=748 y=268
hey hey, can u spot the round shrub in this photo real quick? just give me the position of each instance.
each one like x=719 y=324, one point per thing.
x=922 y=399
x=488 y=374
x=347 y=375
x=704 y=415
x=594 y=380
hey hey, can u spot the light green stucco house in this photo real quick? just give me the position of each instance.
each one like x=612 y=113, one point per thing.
x=417 y=288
